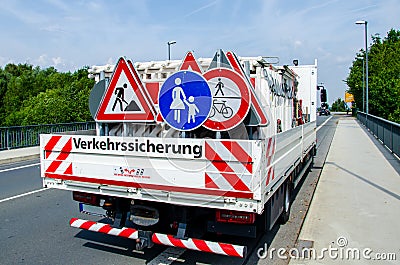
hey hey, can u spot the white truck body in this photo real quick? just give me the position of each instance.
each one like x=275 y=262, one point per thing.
x=155 y=163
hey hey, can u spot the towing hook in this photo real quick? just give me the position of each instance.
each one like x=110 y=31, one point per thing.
x=141 y=243
x=144 y=240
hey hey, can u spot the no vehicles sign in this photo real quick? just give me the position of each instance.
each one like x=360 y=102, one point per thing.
x=231 y=99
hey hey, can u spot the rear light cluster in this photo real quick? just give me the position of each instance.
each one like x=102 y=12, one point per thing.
x=226 y=216
x=87 y=198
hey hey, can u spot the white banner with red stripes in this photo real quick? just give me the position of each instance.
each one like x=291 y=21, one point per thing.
x=57 y=155
x=229 y=165
x=204 y=166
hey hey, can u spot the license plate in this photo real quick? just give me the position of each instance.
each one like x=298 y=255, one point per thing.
x=92 y=210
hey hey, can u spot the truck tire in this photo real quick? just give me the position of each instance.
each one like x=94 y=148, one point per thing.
x=287 y=203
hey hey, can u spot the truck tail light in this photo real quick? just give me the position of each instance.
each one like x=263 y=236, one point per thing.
x=226 y=216
x=87 y=198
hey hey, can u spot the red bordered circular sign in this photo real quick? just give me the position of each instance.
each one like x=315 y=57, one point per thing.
x=231 y=99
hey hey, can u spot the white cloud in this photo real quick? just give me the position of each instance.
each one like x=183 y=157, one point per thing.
x=298 y=43
x=197 y=10
x=42 y=60
x=57 y=60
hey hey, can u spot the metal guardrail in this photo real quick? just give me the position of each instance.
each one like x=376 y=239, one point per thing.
x=386 y=131
x=24 y=136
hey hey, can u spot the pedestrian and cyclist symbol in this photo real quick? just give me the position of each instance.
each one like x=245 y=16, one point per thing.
x=219 y=87
x=231 y=99
x=185 y=100
x=222 y=108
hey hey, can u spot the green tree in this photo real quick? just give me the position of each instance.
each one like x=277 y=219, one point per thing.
x=34 y=96
x=384 y=76
x=339 y=105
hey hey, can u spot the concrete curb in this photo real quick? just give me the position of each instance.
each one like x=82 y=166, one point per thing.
x=19 y=155
x=18 y=159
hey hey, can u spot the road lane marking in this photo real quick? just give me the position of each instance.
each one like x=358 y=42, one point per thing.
x=168 y=256
x=319 y=127
x=20 y=167
x=22 y=195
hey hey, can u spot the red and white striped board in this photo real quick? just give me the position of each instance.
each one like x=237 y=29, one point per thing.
x=57 y=150
x=229 y=166
x=270 y=154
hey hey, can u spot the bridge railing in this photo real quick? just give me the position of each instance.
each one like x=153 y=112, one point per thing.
x=25 y=136
x=386 y=131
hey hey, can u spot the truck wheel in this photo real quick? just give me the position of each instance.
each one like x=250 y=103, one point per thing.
x=287 y=203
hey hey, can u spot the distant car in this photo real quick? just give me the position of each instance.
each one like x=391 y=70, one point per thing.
x=325 y=112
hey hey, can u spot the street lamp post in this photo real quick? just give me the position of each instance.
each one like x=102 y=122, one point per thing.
x=169 y=48
x=363 y=84
x=364 y=22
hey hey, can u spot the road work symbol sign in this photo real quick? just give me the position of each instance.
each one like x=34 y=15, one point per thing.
x=125 y=98
x=185 y=100
x=231 y=99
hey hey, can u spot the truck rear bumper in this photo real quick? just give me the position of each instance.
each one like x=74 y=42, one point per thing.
x=163 y=239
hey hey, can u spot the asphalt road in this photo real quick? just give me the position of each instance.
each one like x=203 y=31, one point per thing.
x=34 y=228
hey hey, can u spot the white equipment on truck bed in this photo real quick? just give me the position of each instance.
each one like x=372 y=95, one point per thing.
x=213 y=143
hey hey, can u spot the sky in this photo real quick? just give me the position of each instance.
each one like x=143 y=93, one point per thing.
x=76 y=33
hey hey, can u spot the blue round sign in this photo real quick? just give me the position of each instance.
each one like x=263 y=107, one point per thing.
x=185 y=100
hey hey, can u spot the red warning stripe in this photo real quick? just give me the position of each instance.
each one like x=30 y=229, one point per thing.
x=202 y=245
x=270 y=150
x=69 y=170
x=209 y=183
x=270 y=175
x=240 y=154
x=229 y=250
x=51 y=144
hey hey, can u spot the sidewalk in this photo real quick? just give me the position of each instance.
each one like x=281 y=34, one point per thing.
x=20 y=154
x=356 y=205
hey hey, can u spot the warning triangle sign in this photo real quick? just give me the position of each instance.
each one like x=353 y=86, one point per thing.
x=143 y=87
x=190 y=63
x=125 y=98
x=219 y=60
x=256 y=108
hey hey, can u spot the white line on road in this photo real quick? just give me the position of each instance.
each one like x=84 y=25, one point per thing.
x=15 y=168
x=319 y=127
x=22 y=195
x=167 y=257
